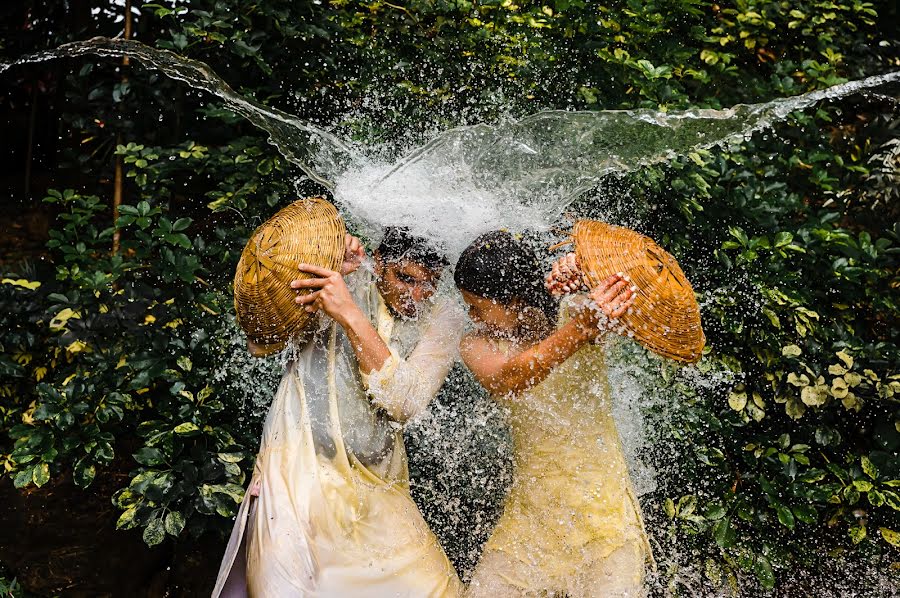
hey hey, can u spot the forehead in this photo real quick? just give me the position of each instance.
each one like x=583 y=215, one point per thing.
x=414 y=270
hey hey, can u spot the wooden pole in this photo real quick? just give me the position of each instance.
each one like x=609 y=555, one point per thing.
x=119 y=178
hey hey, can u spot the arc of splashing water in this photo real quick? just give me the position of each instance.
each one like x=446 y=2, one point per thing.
x=548 y=158
x=321 y=155
x=555 y=156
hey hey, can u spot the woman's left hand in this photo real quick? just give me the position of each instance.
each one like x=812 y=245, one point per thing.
x=609 y=301
x=329 y=293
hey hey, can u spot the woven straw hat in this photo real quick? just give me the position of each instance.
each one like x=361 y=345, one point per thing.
x=307 y=231
x=665 y=316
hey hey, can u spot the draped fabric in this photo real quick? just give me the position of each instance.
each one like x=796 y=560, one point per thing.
x=333 y=516
x=571 y=523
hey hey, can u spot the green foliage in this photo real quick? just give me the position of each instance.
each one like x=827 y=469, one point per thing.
x=107 y=362
x=798 y=440
x=121 y=346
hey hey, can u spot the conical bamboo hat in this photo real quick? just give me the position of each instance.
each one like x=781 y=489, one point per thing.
x=307 y=231
x=665 y=316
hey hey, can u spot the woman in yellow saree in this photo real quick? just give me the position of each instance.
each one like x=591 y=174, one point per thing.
x=571 y=525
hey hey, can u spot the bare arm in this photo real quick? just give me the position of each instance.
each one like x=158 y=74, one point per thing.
x=502 y=375
x=331 y=295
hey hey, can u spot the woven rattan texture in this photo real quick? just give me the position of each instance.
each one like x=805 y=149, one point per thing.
x=307 y=231
x=665 y=316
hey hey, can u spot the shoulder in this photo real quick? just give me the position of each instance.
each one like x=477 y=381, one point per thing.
x=474 y=347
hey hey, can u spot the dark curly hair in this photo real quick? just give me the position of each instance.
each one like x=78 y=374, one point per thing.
x=497 y=266
x=398 y=245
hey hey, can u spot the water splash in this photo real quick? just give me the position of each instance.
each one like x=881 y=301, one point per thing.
x=525 y=173
x=321 y=155
x=516 y=174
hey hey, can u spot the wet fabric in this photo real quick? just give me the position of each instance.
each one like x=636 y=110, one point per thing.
x=571 y=524
x=334 y=516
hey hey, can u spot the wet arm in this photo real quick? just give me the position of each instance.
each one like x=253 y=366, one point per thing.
x=502 y=375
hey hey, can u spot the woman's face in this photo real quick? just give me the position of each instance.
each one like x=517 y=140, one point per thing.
x=490 y=314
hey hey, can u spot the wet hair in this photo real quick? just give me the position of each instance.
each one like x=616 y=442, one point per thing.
x=399 y=245
x=499 y=267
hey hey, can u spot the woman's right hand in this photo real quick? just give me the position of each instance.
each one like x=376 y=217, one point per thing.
x=565 y=276
x=608 y=302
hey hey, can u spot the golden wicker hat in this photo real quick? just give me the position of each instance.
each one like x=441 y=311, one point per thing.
x=665 y=316
x=307 y=231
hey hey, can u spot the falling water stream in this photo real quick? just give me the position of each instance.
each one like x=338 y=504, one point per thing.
x=516 y=174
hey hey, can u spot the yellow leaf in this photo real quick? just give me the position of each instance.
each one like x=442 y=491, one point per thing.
x=852 y=379
x=851 y=401
x=737 y=400
x=846 y=358
x=791 y=351
x=794 y=409
x=813 y=396
x=21 y=282
x=39 y=373
x=801 y=380
x=76 y=347
x=890 y=536
x=59 y=320
x=149 y=319
x=839 y=388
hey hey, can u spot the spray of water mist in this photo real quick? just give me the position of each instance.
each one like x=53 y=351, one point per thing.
x=518 y=174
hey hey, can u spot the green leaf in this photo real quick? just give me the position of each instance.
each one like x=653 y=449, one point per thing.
x=41 y=474
x=669 y=508
x=84 y=472
x=791 y=351
x=805 y=513
x=149 y=456
x=187 y=428
x=868 y=467
x=686 y=505
x=723 y=533
x=24 y=477
x=155 y=532
x=174 y=523
x=785 y=516
x=737 y=400
x=181 y=224
x=892 y=500
x=783 y=238
x=857 y=533
x=126 y=519
x=714 y=512
x=763 y=570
